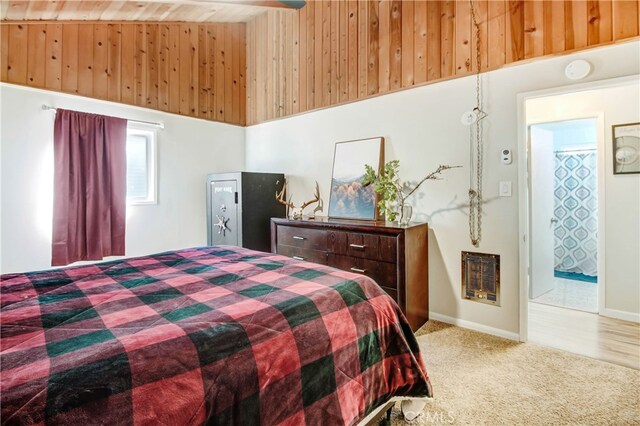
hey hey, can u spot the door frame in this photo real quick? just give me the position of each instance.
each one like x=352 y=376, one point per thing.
x=524 y=203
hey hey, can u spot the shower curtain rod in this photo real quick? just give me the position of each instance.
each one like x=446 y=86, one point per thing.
x=575 y=150
x=148 y=123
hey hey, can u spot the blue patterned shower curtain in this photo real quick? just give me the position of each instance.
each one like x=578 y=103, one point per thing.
x=576 y=212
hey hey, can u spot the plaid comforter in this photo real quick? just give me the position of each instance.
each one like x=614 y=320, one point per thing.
x=217 y=335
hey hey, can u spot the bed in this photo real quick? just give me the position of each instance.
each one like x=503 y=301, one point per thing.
x=216 y=335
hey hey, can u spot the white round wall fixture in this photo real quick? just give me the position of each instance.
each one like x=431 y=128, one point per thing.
x=468 y=118
x=577 y=69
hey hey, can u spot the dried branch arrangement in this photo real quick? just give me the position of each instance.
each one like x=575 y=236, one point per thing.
x=392 y=191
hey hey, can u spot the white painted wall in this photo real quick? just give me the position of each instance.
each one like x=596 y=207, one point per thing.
x=188 y=149
x=618 y=105
x=422 y=129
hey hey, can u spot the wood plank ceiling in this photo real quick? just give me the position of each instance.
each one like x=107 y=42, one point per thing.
x=143 y=10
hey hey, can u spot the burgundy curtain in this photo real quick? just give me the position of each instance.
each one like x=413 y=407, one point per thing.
x=90 y=174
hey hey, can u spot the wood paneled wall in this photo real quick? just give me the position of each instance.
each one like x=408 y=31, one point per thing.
x=196 y=70
x=334 y=51
x=327 y=53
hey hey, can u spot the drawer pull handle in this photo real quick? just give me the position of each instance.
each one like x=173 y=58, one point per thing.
x=358 y=246
x=358 y=270
x=298 y=258
x=295 y=237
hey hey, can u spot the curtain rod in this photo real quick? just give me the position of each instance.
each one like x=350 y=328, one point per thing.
x=149 y=123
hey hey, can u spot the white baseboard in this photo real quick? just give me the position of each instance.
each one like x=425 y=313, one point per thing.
x=621 y=315
x=474 y=326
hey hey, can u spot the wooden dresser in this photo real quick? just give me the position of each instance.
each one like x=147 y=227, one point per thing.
x=395 y=257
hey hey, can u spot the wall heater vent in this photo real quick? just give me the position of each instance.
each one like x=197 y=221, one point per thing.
x=481 y=277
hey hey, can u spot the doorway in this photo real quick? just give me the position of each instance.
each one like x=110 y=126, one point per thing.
x=611 y=333
x=564 y=214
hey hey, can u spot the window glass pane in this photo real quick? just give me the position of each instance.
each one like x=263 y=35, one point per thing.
x=137 y=184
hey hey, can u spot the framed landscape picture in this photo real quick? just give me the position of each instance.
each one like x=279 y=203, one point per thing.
x=626 y=148
x=349 y=199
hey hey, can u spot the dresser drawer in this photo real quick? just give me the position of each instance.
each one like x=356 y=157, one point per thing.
x=384 y=273
x=368 y=246
x=314 y=239
x=299 y=253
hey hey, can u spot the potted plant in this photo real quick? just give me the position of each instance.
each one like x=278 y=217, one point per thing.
x=393 y=192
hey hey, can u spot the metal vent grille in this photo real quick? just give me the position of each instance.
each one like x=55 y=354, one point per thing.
x=481 y=277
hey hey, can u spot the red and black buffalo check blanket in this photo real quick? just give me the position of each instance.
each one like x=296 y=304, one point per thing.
x=217 y=335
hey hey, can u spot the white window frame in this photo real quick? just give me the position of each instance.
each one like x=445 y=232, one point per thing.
x=152 y=176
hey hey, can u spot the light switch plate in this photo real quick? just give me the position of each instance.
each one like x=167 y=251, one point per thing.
x=505 y=188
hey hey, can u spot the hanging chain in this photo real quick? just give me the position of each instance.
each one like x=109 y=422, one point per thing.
x=475 y=195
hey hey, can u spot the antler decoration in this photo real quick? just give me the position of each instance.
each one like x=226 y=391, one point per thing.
x=280 y=196
x=297 y=211
x=316 y=198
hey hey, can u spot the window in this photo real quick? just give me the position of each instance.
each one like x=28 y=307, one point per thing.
x=141 y=166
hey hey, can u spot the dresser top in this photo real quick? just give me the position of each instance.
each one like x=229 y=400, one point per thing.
x=346 y=223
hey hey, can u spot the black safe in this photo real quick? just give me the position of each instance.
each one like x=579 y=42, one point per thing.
x=240 y=206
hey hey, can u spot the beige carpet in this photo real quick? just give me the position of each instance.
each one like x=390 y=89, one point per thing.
x=484 y=380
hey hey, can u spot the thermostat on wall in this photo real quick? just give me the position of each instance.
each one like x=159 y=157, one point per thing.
x=506 y=156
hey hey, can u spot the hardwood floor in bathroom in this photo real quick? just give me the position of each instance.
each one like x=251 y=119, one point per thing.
x=584 y=333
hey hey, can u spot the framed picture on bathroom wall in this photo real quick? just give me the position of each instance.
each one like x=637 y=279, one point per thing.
x=626 y=148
